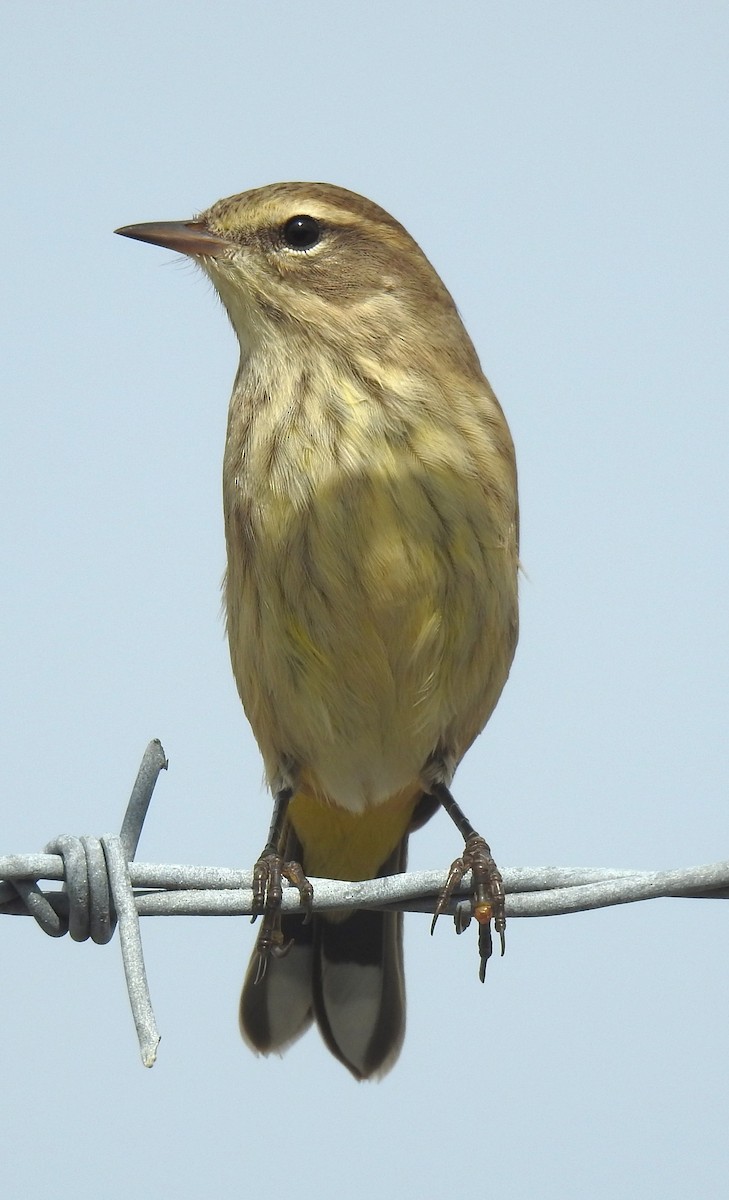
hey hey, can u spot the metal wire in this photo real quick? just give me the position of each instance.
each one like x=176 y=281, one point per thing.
x=103 y=886
x=97 y=893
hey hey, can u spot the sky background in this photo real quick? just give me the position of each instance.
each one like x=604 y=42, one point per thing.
x=565 y=166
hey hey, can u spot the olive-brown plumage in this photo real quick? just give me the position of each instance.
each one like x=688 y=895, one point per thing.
x=370 y=507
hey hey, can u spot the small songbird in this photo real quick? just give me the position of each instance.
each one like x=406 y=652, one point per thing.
x=371 y=524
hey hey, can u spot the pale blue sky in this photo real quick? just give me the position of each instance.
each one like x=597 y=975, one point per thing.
x=566 y=168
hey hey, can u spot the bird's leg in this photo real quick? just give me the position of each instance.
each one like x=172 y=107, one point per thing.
x=487 y=894
x=270 y=868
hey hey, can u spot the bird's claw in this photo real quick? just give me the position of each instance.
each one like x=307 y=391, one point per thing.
x=487 y=896
x=267 y=898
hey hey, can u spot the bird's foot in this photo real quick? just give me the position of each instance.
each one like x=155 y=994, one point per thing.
x=268 y=872
x=487 y=896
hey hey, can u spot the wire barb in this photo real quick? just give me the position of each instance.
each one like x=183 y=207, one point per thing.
x=97 y=892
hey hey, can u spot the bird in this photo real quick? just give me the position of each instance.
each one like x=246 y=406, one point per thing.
x=372 y=528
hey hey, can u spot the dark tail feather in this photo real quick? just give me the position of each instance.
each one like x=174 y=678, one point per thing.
x=346 y=973
x=276 y=1010
x=359 y=985
x=359 y=990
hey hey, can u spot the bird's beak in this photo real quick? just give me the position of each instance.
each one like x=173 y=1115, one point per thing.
x=189 y=237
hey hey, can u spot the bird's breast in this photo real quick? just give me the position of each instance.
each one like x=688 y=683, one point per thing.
x=371 y=586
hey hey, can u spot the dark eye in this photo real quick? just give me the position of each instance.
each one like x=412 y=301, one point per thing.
x=301 y=233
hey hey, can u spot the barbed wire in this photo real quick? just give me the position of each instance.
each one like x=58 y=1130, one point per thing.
x=103 y=887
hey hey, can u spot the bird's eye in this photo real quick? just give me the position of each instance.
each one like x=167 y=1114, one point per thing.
x=301 y=233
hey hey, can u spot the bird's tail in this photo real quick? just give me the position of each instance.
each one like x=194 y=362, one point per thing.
x=346 y=974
